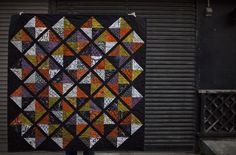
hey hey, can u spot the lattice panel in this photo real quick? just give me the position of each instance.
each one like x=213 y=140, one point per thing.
x=218 y=113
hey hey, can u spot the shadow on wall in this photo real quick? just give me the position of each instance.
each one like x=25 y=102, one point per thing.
x=217 y=45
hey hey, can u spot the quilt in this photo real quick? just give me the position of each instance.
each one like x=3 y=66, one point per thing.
x=76 y=82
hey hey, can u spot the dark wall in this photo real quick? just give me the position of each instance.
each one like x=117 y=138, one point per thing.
x=217 y=34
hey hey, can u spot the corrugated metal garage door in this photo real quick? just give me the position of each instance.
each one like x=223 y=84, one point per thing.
x=170 y=67
x=8 y=8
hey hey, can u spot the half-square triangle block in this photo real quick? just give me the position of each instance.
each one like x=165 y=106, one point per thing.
x=34 y=111
x=90 y=83
x=132 y=70
x=34 y=137
x=90 y=137
x=21 y=124
x=35 y=83
x=21 y=41
x=131 y=124
x=62 y=110
x=133 y=42
x=77 y=69
x=21 y=68
x=76 y=124
x=105 y=70
x=117 y=110
x=63 y=55
x=77 y=97
x=90 y=110
x=120 y=28
x=35 y=27
x=118 y=56
x=91 y=55
x=48 y=97
x=35 y=55
x=62 y=137
x=131 y=97
x=21 y=96
x=63 y=27
x=49 y=41
x=48 y=123
x=62 y=83
x=48 y=68
x=117 y=137
x=105 y=41
x=92 y=27
x=77 y=41
x=104 y=124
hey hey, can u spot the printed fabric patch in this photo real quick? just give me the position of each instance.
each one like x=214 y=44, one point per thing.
x=76 y=83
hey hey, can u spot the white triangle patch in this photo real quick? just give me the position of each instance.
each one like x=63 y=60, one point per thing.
x=32 y=50
x=73 y=65
x=31 y=79
x=88 y=31
x=79 y=120
x=135 y=127
x=87 y=79
x=58 y=114
x=66 y=87
x=59 y=24
x=44 y=37
x=107 y=120
x=136 y=38
x=44 y=127
x=93 y=141
x=107 y=101
x=116 y=24
x=59 y=59
x=120 y=140
x=31 y=106
x=17 y=72
x=72 y=93
x=53 y=72
x=109 y=45
x=31 y=141
x=17 y=100
x=136 y=66
x=135 y=93
x=52 y=93
x=31 y=22
x=24 y=129
x=58 y=141
x=17 y=44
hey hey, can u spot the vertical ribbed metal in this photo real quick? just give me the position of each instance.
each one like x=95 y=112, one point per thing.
x=170 y=65
x=8 y=8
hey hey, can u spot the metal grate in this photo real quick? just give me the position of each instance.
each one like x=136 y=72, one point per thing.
x=218 y=113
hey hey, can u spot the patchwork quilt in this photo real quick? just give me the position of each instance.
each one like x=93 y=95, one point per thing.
x=76 y=82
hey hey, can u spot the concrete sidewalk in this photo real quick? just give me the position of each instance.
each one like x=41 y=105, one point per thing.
x=219 y=147
x=101 y=153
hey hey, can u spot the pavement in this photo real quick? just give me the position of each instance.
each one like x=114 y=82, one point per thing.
x=219 y=147
x=100 y=153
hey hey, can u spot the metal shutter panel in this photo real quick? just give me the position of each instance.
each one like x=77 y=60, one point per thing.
x=170 y=65
x=8 y=8
x=170 y=69
x=170 y=73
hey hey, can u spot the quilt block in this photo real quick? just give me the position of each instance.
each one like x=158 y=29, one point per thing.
x=76 y=82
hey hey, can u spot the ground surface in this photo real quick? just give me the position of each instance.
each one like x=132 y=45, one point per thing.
x=101 y=153
x=221 y=147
